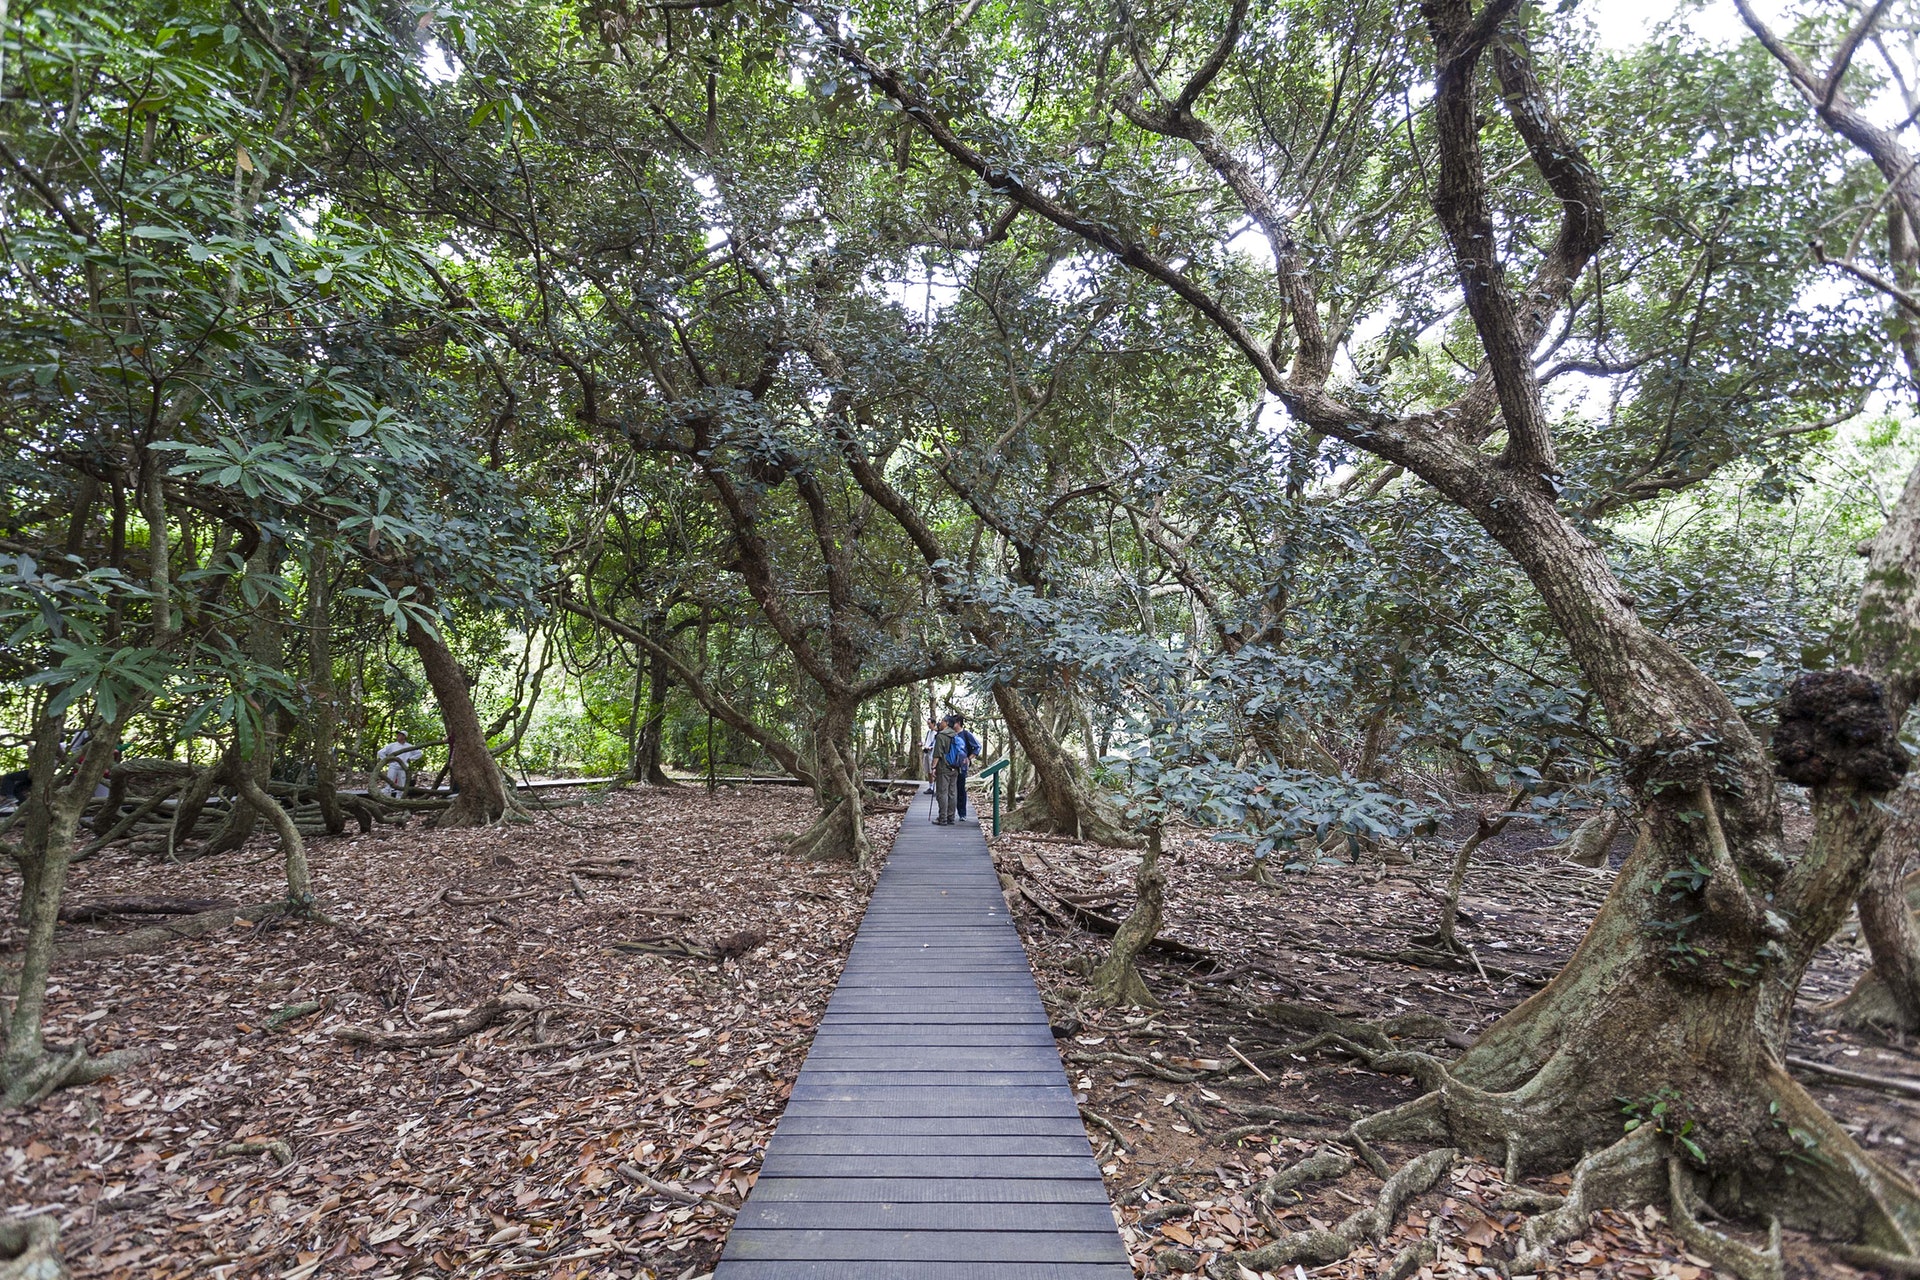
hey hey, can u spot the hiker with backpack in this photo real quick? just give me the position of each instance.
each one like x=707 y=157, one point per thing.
x=958 y=748
x=945 y=774
x=972 y=748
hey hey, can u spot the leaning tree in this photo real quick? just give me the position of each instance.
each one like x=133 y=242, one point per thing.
x=1712 y=916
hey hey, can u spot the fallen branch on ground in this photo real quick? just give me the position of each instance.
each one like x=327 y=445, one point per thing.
x=87 y=912
x=479 y=1020
x=455 y=898
x=1892 y=1084
x=727 y=948
x=279 y=1150
x=679 y=1195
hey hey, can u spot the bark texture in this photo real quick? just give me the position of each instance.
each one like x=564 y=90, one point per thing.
x=482 y=797
x=1117 y=980
x=1063 y=800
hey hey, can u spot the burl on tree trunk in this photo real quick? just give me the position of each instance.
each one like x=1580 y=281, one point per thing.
x=1667 y=1003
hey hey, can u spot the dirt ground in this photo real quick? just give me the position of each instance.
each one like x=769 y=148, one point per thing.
x=525 y=1149
x=1179 y=1157
x=612 y=1130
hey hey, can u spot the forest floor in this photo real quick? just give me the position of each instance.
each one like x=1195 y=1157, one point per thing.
x=524 y=1149
x=611 y=1131
x=1179 y=1172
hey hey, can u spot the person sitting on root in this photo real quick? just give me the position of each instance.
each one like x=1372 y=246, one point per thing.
x=397 y=759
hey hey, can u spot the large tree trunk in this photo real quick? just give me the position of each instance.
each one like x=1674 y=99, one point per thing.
x=839 y=834
x=1063 y=800
x=483 y=796
x=1679 y=984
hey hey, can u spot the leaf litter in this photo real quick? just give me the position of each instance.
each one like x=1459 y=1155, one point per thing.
x=1174 y=1097
x=607 y=1120
x=666 y=967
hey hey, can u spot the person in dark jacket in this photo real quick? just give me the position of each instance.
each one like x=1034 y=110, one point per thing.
x=945 y=773
x=969 y=755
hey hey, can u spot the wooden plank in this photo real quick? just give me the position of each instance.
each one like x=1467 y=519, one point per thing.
x=927 y=1246
x=932 y=1133
x=845 y=1270
x=931 y=1190
x=894 y=1215
x=929 y=1145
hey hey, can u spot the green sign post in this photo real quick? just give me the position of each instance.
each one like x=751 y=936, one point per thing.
x=994 y=771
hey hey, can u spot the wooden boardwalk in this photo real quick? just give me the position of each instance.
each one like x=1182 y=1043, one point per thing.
x=932 y=1134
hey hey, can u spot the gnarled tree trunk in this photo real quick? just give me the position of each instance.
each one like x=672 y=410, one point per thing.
x=1063 y=800
x=483 y=796
x=839 y=834
x=646 y=765
x=1117 y=981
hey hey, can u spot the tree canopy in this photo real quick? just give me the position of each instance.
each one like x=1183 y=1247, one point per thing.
x=1292 y=419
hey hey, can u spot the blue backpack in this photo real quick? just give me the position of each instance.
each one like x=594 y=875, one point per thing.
x=964 y=744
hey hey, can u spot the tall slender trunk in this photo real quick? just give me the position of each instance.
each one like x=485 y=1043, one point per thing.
x=44 y=855
x=36 y=823
x=320 y=690
x=153 y=509
x=482 y=797
x=264 y=648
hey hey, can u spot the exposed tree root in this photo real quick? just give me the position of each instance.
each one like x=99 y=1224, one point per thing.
x=1094 y=1118
x=141 y=941
x=1724 y=1251
x=1323 y=1165
x=25 y=1084
x=1592 y=840
x=1260 y=873
x=30 y=1249
x=1134 y=1060
x=479 y=1020
x=1369 y=1223
x=86 y=912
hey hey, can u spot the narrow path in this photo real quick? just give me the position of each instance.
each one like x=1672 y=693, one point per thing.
x=932 y=1134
